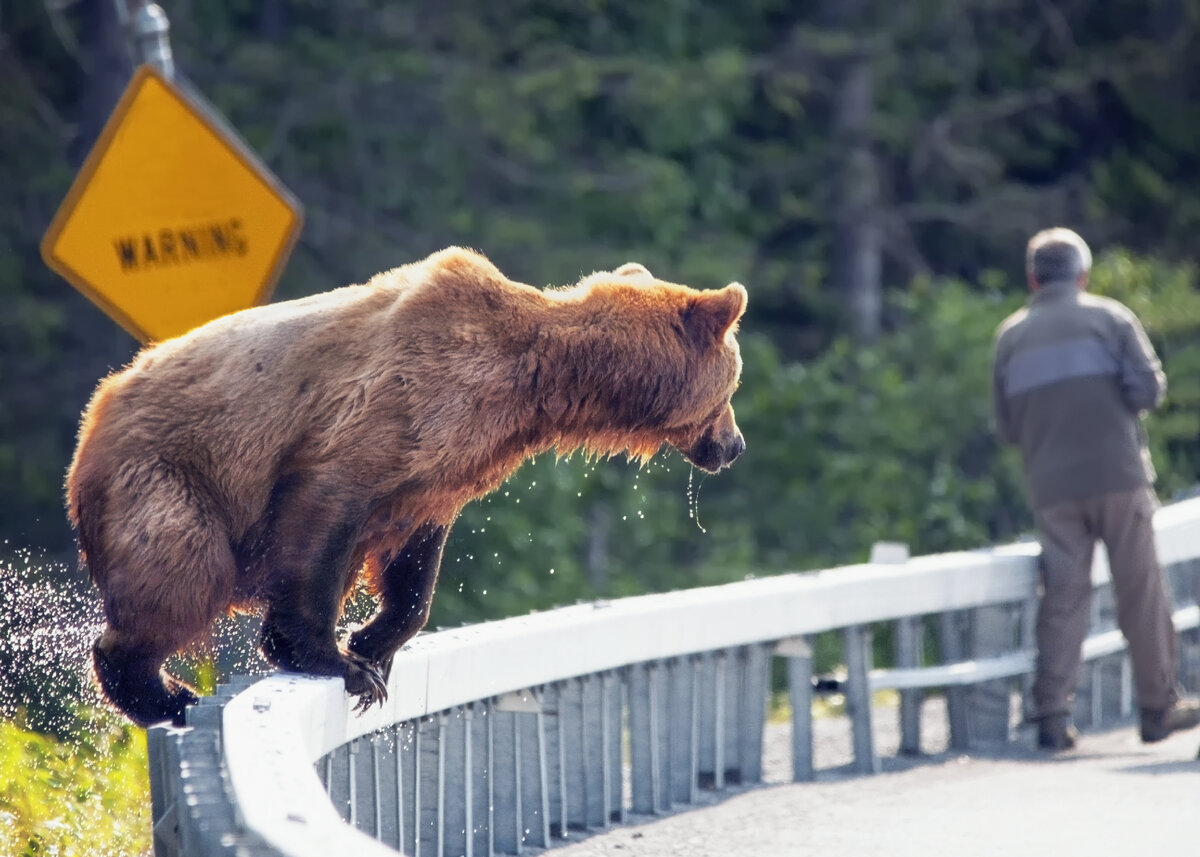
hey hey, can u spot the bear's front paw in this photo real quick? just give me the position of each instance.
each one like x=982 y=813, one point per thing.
x=364 y=680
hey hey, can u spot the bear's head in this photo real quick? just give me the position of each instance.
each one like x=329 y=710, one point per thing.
x=710 y=322
x=681 y=363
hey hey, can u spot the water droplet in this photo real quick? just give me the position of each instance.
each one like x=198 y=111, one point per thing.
x=693 y=497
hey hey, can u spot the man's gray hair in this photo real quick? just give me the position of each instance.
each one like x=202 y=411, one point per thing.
x=1057 y=255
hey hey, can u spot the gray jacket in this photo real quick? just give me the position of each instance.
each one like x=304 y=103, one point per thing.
x=1073 y=373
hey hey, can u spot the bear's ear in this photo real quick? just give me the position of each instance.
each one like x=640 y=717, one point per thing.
x=710 y=316
x=633 y=269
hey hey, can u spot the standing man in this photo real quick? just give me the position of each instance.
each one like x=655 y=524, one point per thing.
x=1072 y=377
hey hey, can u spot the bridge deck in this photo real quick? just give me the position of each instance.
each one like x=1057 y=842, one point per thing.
x=1112 y=795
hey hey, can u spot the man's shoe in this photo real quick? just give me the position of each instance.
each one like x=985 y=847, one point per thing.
x=1158 y=723
x=1056 y=733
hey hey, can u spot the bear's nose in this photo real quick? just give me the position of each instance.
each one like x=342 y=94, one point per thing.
x=735 y=449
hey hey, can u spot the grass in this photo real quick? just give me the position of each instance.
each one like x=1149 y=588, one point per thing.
x=88 y=795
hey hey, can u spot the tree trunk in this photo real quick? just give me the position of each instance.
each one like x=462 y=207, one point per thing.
x=107 y=67
x=855 y=269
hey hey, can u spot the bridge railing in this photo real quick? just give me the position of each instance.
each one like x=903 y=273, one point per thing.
x=506 y=736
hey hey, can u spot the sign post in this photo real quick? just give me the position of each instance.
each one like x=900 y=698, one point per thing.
x=172 y=220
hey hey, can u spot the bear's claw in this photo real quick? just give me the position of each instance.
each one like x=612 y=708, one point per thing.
x=364 y=680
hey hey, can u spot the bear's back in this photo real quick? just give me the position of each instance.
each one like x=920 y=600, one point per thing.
x=353 y=369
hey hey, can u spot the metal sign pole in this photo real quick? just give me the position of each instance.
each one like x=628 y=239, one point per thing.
x=148 y=28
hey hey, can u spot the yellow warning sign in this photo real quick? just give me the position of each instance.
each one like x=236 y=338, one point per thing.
x=172 y=220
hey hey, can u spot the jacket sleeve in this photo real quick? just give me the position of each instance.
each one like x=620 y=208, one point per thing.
x=1143 y=383
x=1004 y=427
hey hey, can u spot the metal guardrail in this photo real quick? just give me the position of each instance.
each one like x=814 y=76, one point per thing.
x=505 y=736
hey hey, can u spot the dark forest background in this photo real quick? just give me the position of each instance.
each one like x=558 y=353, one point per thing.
x=870 y=170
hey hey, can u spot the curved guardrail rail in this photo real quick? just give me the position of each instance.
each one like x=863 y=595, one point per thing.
x=507 y=735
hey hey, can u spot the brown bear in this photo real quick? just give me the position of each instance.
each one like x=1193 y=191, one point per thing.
x=263 y=460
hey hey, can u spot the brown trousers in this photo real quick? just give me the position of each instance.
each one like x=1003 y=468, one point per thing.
x=1068 y=531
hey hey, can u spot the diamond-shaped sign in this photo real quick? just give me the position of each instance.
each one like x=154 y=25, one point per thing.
x=172 y=220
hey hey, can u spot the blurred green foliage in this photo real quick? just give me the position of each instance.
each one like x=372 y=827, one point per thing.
x=702 y=139
x=87 y=795
x=699 y=138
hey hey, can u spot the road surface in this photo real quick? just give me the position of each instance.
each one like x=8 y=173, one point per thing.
x=1110 y=796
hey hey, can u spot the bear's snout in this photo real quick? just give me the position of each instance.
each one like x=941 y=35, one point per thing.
x=713 y=452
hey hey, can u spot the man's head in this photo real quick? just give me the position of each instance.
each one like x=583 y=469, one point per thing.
x=1057 y=255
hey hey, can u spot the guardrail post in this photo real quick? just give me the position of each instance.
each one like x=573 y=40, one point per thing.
x=535 y=779
x=407 y=788
x=571 y=756
x=908 y=632
x=953 y=651
x=725 y=723
x=427 y=808
x=681 y=743
x=580 y=718
x=478 y=770
x=991 y=635
x=337 y=780
x=798 y=652
x=505 y=781
x=612 y=704
x=710 y=720
x=516 y=776
x=907 y=639
x=387 y=756
x=592 y=751
x=374 y=740
x=754 y=662
x=163 y=751
x=643 y=739
x=660 y=709
x=857 y=641
x=552 y=720
x=359 y=765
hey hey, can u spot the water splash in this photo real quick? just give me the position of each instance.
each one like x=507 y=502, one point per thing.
x=50 y=616
x=693 y=497
x=83 y=766
x=47 y=624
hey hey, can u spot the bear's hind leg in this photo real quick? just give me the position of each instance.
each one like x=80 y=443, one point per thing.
x=168 y=573
x=132 y=678
x=406 y=592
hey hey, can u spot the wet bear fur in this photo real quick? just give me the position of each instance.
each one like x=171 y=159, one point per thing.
x=267 y=459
